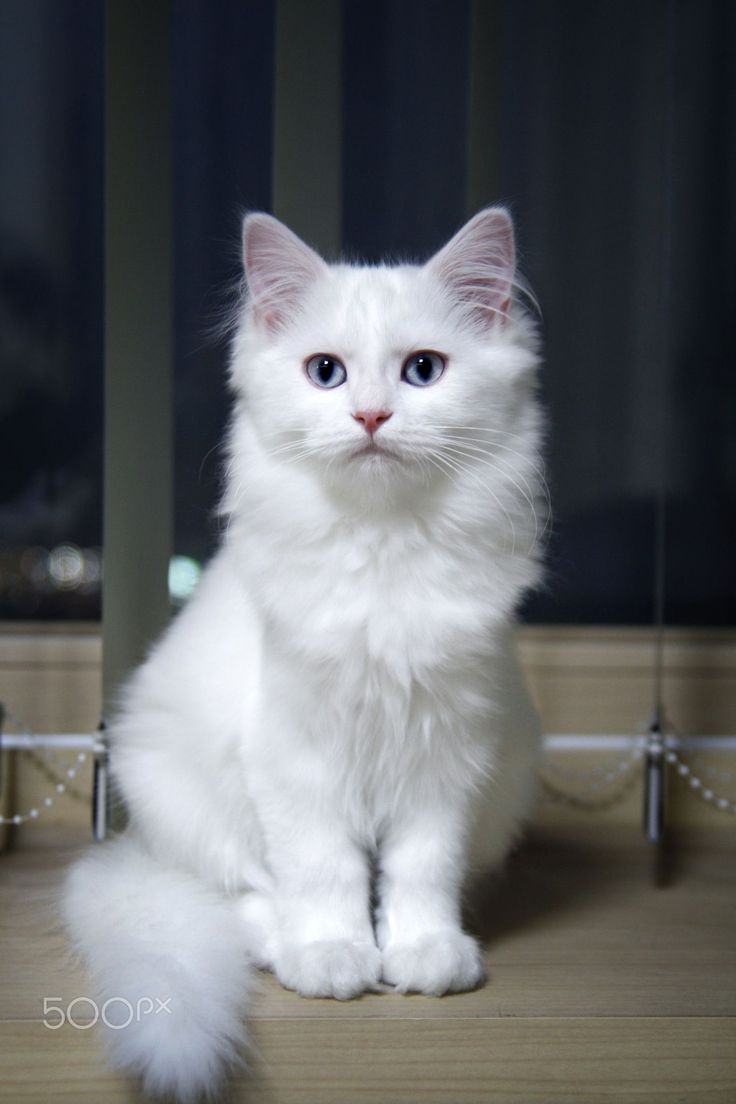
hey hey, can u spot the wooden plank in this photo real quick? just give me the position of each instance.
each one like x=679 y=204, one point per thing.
x=575 y=928
x=468 y=1061
x=603 y=987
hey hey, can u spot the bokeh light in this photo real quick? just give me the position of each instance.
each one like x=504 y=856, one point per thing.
x=184 y=574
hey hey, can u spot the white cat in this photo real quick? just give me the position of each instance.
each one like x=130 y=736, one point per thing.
x=338 y=704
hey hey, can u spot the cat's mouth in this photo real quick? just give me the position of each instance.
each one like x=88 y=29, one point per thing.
x=372 y=448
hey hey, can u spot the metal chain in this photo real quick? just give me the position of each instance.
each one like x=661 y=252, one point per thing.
x=607 y=784
x=685 y=772
x=48 y=772
x=61 y=785
x=600 y=782
x=603 y=791
x=600 y=776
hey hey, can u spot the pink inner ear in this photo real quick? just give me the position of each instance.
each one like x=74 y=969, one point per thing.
x=477 y=265
x=279 y=268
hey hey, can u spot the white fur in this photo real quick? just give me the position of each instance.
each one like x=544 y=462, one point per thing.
x=339 y=696
x=171 y=948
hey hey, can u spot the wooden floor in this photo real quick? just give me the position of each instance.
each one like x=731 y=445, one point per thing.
x=612 y=978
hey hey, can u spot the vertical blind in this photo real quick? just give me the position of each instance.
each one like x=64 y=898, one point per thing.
x=375 y=128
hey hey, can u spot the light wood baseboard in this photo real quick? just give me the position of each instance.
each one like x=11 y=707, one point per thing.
x=601 y=680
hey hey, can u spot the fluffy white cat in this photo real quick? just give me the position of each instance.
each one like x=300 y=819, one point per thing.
x=333 y=732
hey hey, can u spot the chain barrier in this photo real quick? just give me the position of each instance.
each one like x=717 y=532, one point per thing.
x=588 y=789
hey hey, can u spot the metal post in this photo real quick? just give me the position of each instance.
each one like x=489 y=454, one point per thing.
x=100 y=793
x=655 y=779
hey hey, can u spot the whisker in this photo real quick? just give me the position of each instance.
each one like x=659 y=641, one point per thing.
x=494 y=460
x=292 y=454
x=524 y=491
x=287 y=446
x=435 y=462
x=474 y=428
x=535 y=467
x=464 y=469
x=462 y=438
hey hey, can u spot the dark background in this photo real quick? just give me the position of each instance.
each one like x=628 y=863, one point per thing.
x=613 y=142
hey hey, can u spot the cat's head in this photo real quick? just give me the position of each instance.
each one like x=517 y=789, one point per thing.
x=391 y=372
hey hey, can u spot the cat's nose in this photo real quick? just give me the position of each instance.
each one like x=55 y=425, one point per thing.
x=372 y=420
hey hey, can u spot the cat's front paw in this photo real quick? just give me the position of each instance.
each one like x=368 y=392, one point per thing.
x=329 y=968
x=436 y=963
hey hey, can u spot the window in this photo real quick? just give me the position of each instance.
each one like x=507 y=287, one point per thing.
x=609 y=139
x=51 y=308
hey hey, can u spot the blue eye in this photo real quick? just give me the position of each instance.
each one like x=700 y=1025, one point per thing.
x=325 y=371
x=423 y=369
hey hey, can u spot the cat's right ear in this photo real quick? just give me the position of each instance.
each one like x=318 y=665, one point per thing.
x=477 y=266
x=279 y=269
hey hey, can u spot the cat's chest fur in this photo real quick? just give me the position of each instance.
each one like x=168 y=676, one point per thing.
x=402 y=598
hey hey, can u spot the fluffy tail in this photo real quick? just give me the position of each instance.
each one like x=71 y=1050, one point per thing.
x=168 y=962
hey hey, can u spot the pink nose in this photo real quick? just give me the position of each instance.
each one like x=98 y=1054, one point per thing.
x=371 y=420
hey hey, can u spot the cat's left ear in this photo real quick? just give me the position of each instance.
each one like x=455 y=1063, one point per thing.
x=279 y=268
x=477 y=266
